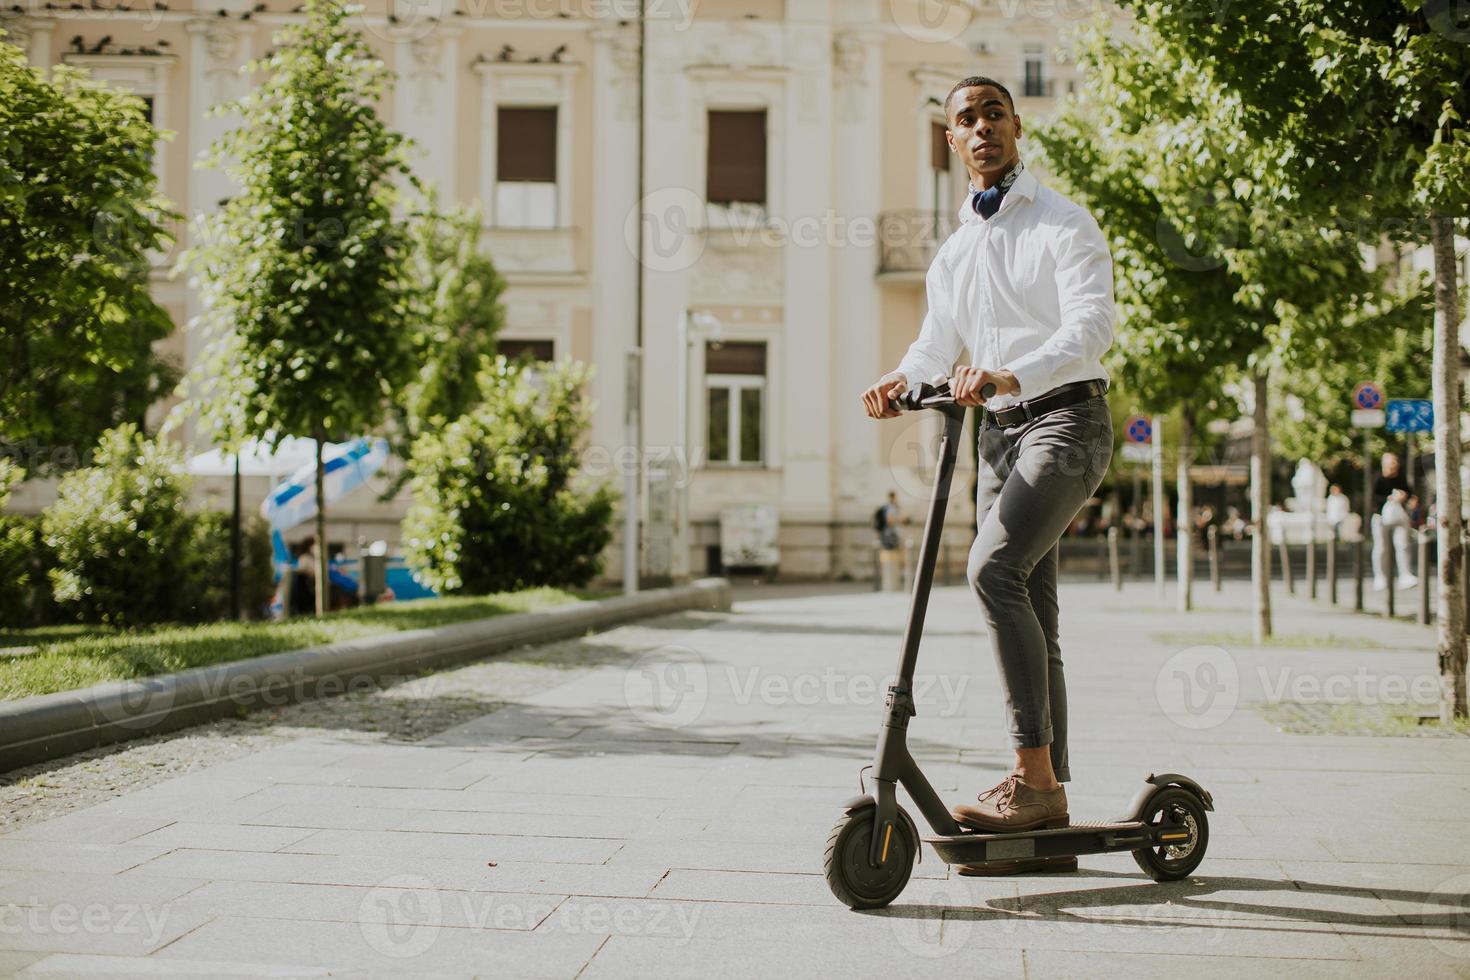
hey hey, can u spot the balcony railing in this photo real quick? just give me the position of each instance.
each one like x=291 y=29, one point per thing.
x=908 y=240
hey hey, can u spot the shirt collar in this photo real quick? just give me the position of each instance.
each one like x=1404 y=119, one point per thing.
x=1025 y=186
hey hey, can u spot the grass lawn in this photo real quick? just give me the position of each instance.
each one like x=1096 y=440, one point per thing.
x=68 y=657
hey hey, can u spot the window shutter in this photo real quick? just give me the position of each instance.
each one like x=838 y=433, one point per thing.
x=939 y=148
x=735 y=357
x=736 y=170
x=540 y=350
x=525 y=144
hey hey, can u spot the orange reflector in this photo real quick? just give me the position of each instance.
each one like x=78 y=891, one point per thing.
x=887 y=836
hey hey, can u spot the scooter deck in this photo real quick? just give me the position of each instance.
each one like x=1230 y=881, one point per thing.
x=978 y=847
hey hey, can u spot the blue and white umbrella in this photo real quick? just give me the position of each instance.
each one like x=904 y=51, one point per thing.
x=347 y=465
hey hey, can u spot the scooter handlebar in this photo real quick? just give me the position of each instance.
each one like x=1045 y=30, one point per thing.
x=924 y=395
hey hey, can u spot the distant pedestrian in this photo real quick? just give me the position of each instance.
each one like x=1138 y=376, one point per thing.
x=1338 y=505
x=886 y=520
x=1391 y=520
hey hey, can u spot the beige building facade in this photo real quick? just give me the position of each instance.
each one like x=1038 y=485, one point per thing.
x=795 y=186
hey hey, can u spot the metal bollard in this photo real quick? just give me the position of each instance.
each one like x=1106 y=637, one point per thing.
x=1115 y=563
x=877 y=568
x=1286 y=566
x=1212 y=539
x=1312 y=560
x=1358 y=572
x=1391 y=553
x=1332 y=567
x=1423 y=576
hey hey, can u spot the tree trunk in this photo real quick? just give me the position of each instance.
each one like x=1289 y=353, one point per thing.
x=323 y=585
x=1449 y=525
x=1260 y=505
x=1161 y=505
x=1184 y=526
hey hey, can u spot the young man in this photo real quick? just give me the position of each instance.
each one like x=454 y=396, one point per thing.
x=1026 y=283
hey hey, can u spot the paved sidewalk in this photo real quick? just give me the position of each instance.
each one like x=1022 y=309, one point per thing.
x=656 y=805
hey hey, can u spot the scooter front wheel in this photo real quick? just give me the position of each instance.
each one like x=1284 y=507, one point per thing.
x=1178 y=815
x=852 y=876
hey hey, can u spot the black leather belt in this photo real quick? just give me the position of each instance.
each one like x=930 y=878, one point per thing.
x=1059 y=397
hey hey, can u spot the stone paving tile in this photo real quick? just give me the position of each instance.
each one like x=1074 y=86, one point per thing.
x=631 y=956
x=477 y=847
x=223 y=837
x=94 y=826
x=589 y=824
x=1168 y=966
x=750 y=887
x=41 y=889
x=114 y=929
x=54 y=856
x=12 y=961
x=383 y=948
x=449 y=908
x=122 y=967
x=372 y=870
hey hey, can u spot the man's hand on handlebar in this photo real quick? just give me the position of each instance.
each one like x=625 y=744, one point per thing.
x=968 y=381
x=876 y=398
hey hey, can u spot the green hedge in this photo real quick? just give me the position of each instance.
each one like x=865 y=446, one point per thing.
x=497 y=506
x=123 y=550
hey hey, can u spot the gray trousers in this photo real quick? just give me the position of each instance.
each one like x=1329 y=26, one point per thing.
x=1033 y=478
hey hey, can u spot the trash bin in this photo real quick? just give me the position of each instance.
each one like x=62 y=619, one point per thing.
x=374 y=577
x=890 y=569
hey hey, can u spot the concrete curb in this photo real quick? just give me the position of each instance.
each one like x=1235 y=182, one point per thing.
x=49 y=726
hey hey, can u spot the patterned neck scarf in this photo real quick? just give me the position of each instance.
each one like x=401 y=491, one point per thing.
x=987 y=202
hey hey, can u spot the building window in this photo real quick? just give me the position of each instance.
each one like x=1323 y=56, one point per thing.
x=1033 y=84
x=736 y=167
x=537 y=350
x=525 y=167
x=942 y=199
x=735 y=397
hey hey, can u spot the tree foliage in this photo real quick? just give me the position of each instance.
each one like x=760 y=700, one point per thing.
x=497 y=505
x=79 y=214
x=303 y=273
x=456 y=315
x=1209 y=279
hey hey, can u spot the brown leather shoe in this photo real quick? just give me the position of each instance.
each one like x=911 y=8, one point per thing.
x=1018 y=866
x=1013 y=805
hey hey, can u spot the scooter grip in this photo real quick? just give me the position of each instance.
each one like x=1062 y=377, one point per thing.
x=986 y=390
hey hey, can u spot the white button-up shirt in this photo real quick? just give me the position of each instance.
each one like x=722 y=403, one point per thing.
x=1029 y=290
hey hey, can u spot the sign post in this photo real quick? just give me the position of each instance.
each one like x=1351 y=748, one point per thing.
x=1367 y=415
x=1137 y=432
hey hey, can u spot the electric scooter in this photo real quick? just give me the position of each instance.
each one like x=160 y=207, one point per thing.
x=871 y=851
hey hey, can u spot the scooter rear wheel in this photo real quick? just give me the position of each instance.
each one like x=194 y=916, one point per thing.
x=1181 y=811
x=852 y=877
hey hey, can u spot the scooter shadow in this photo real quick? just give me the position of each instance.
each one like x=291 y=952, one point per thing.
x=1191 y=898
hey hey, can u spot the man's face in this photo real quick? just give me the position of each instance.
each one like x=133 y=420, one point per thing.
x=1390 y=466
x=983 y=130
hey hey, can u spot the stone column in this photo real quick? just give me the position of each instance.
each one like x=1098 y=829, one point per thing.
x=610 y=226
x=810 y=378
x=426 y=101
x=856 y=321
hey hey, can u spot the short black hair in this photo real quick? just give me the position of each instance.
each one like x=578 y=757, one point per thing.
x=972 y=81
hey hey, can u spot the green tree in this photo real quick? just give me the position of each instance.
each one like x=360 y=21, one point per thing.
x=456 y=315
x=79 y=214
x=304 y=271
x=1356 y=111
x=1210 y=285
x=497 y=504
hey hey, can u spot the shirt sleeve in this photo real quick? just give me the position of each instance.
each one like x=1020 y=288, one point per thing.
x=1084 y=282
x=939 y=343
